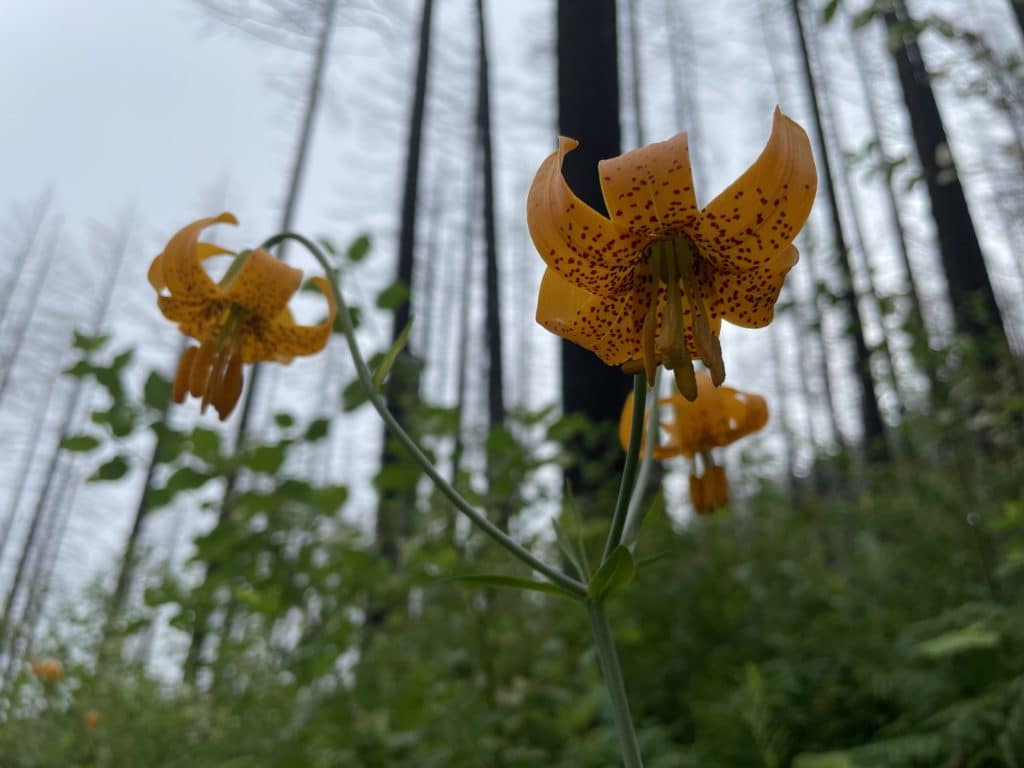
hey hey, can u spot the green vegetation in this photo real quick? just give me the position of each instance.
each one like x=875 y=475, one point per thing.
x=877 y=624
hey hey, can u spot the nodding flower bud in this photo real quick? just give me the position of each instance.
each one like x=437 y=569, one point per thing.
x=710 y=491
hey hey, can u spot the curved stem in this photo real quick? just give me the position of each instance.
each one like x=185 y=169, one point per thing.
x=629 y=470
x=605 y=644
x=567 y=583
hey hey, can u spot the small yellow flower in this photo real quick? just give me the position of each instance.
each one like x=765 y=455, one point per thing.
x=242 y=319
x=717 y=417
x=650 y=284
x=48 y=670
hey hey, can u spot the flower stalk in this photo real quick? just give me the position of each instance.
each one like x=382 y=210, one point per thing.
x=612 y=672
x=568 y=584
x=629 y=469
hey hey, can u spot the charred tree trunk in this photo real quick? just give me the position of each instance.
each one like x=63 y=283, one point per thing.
x=975 y=311
x=871 y=416
x=915 y=321
x=394 y=509
x=1018 y=11
x=810 y=310
x=588 y=111
x=492 y=303
x=492 y=322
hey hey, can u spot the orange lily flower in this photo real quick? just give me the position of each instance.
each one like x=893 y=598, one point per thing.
x=48 y=670
x=242 y=319
x=717 y=417
x=91 y=719
x=651 y=283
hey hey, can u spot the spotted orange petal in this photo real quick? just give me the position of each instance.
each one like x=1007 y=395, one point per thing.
x=199 y=319
x=585 y=247
x=609 y=327
x=281 y=339
x=748 y=298
x=179 y=268
x=203 y=251
x=264 y=285
x=649 y=190
x=759 y=215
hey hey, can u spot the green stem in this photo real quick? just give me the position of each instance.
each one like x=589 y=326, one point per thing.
x=605 y=644
x=636 y=512
x=567 y=583
x=636 y=433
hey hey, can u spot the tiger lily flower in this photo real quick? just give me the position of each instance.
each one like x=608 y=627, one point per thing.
x=47 y=670
x=650 y=284
x=717 y=417
x=244 y=318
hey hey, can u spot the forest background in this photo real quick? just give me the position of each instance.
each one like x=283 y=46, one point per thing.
x=858 y=604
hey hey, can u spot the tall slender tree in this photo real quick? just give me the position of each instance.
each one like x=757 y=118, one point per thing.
x=975 y=311
x=588 y=111
x=21 y=251
x=916 y=321
x=394 y=507
x=809 y=308
x=492 y=304
x=18 y=603
x=492 y=290
x=871 y=415
x=868 y=298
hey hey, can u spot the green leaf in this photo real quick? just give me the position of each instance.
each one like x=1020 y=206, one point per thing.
x=353 y=396
x=88 y=343
x=182 y=479
x=970 y=638
x=829 y=10
x=114 y=469
x=328 y=245
x=393 y=296
x=111 y=381
x=382 y=370
x=79 y=369
x=157 y=392
x=355 y=316
x=122 y=360
x=571 y=546
x=170 y=442
x=824 y=760
x=512 y=582
x=613 y=576
x=79 y=443
x=284 y=420
x=119 y=418
x=397 y=477
x=568 y=549
x=330 y=498
x=206 y=444
x=652 y=559
x=359 y=249
x=317 y=430
x=266 y=458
